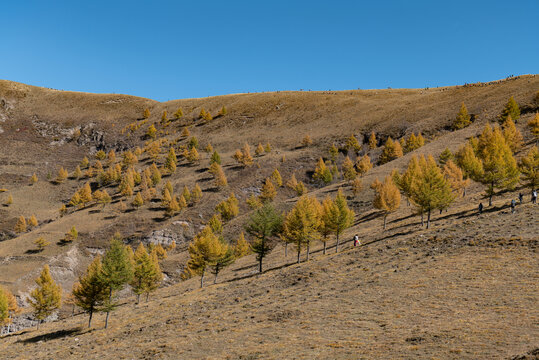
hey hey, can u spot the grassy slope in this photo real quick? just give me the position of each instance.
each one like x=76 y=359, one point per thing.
x=283 y=118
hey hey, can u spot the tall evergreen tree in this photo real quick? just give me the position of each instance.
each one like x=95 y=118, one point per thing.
x=146 y=272
x=264 y=224
x=91 y=294
x=117 y=270
x=46 y=297
x=171 y=161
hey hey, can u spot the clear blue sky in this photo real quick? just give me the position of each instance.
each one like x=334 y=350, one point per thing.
x=179 y=49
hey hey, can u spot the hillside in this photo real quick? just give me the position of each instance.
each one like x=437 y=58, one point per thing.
x=465 y=288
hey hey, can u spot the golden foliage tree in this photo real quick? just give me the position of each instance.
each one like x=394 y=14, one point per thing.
x=228 y=208
x=218 y=175
x=392 y=150
x=357 y=186
x=463 y=118
x=268 y=192
x=322 y=173
x=363 y=164
x=151 y=132
x=512 y=135
x=301 y=224
x=510 y=109
x=41 y=243
x=241 y=247
x=196 y=194
x=178 y=114
x=138 y=201
x=21 y=225
x=171 y=161
x=204 y=251
x=352 y=144
x=46 y=297
x=259 y=151
x=529 y=166
x=276 y=178
x=341 y=217
x=533 y=124
x=386 y=197
x=348 y=170
x=146 y=114
x=33 y=179
x=147 y=274
x=455 y=177
x=62 y=175
x=307 y=141
x=372 y=141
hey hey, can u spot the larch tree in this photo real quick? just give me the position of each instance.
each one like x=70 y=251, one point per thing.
x=431 y=190
x=325 y=227
x=500 y=170
x=463 y=118
x=219 y=176
x=510 y=109
x=117 y=270
x=33 y=179
x=204 y=251
x=348 y=171
x=357 y=186
x=146 y=114
x=268 y=191
x=512 y=135
x=259 y=151
x=301 y=224
x=352 y=144
x=215 y=224
x=276 y=178
x=46 y=297
x=456 y=178
x=533 y=124
x=468 y=161
x=146 y=272
x=151 y=132
x=363 y=164
x=529 y=166
x=178 y=114
x=196 y=194
x=386 y=197
x=90 y=293
x=21 y=225
x=264 y=225
x=445 y=156
x=32 y=221
x=215 y=158
x=241 y=247
x=392 y=150
x=341 y=217
x=228 y=208
x=372 y=141
x=41 y=243
x=227 y=258
x=322 y=173
x=62 y=175
x=171 y=161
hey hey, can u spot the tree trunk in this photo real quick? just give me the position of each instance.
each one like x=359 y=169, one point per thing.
x=308 y=248
x=90 y=320
x=285 y=251
x=385 y=217
x=337 y=245
x=428 y=219
x=215 y=278
x=147 y=296
x=138 y=298
x=422 y=221
x=299 y=254
x=260 y=264
x=38 y=322
x=325 y=244
x=202 y=278
x=464 y=193
x=108 y=311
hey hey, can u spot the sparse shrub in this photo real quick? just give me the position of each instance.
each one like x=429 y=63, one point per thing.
x=9 y=200
x=41 y=243
x=71 y=235
x=307 y=141
x=259 y=150
x=222 y=112
x=33 y=179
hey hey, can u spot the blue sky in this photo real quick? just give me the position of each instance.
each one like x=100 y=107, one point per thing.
x=181 y=49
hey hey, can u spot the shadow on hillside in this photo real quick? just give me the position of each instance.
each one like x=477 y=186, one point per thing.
x=32 y=251
x=160 y=219
x=51 y=336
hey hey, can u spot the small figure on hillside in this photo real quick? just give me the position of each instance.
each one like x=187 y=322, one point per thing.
x=520 y=198
x=513 y=204
x=356 y=240
x=480 y=208
x=534 y=196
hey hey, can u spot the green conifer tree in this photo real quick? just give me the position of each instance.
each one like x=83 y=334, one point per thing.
x=264 y=224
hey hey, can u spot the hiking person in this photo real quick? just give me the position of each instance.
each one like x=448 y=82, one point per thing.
x=480 y=208
x=513 y=204
x=520 y=198
x=356 y=240
x=534 y=196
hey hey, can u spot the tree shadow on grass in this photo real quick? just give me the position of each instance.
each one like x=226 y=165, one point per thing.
x=32 y=251
x=51 y=336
